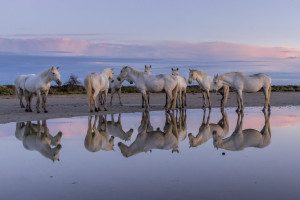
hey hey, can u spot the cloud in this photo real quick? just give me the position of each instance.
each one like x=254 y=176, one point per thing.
x=170 y=49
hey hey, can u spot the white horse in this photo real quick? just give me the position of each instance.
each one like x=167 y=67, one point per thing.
x=207 y=129
x=36 y=137
x=39 y=85
x=98 y=83
x=152 y=83
x=117 y=85
x=97 y=138
x=148 y=140
x=244 y=83
x=241 y=139
x=182 y=85
x=115 y=129
x=206 y=84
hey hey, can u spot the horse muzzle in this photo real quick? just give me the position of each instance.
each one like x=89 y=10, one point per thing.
x=119 y=79
x=112 y=80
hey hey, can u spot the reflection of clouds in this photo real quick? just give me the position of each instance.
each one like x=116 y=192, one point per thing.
x=70 y=127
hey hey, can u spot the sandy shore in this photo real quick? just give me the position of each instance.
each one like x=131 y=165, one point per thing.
x=60 y=106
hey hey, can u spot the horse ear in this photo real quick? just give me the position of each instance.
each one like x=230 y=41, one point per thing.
x=57 y=67
x=145 y=66
x=190 y=69
x=177 y=69
x=52 y=68
x=172 y=69
x=150 y=66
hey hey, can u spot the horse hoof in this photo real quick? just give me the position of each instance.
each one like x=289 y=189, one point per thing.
x=105 y=109
x=30 y=110
x=45 y=111
x=26 y=110
x=22 y=106
x=91 y=111
x=38 y=111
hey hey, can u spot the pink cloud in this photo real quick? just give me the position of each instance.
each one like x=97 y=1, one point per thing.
x=179 y=50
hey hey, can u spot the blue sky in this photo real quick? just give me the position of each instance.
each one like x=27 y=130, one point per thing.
x=269 y=23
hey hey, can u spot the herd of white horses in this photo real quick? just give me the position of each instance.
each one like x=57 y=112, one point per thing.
x=98 y=85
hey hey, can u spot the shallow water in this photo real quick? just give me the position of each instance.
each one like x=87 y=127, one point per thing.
x=201 y=172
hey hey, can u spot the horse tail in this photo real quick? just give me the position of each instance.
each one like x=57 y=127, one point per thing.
x=88 y=87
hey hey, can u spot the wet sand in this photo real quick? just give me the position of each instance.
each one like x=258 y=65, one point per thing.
x=61 y=106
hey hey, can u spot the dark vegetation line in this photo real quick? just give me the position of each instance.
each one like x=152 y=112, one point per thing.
x=79 y=89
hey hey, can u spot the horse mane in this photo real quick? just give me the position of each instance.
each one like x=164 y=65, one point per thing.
x=135 y=71
x=202 y=74
x=44 y=73
x=233 y=73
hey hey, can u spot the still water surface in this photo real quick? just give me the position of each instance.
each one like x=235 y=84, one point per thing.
x=194 y=155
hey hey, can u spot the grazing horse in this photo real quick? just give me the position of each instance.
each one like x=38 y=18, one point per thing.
x=36 y=137
x=206 y=84
x=39 y=85
x=99 y=83
x=244 y=83
x=207 y=129
x=115 y=129
x=182 y=85
x=152 y=83
x=241 y=139
x=148 y=140
x=97 y=138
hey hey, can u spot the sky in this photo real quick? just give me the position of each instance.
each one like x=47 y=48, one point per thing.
x=150 y=28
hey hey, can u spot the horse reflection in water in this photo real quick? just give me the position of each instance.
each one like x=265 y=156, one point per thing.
x=147 y=139
x=97 y=138
x=36 y=137
x=115 y=129
x=206 y=130
x=241 y=139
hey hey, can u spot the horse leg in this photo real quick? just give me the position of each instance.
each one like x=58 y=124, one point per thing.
x=96 y=93
x=144 y=95
x=27 y=101
x=148 y=96
x=112 y=92
x=44 y=101
x=105 y=99
x=20 y=95
x=30 y=99
x=240 y=92
x=169 y=100
x=143 y=101
x=119 y=93
x=238 y=101
x=179 y=101
x=166 y=100
x=204 y=100
x=269 y=96
x=208 y=97
x=38 y=95
x=90 y=101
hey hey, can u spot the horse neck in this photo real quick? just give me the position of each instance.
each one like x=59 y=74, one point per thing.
x=133 y=76
x=45 y=78
x=227 y=80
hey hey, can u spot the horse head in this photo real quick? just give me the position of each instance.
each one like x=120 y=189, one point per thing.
x=148 y=69
x=124 y=149
x=54 y=75
x=124 y=74
x=217 y=83
x=109 y=72
x=192 y=76
x=54 y=154
x=175 y=72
